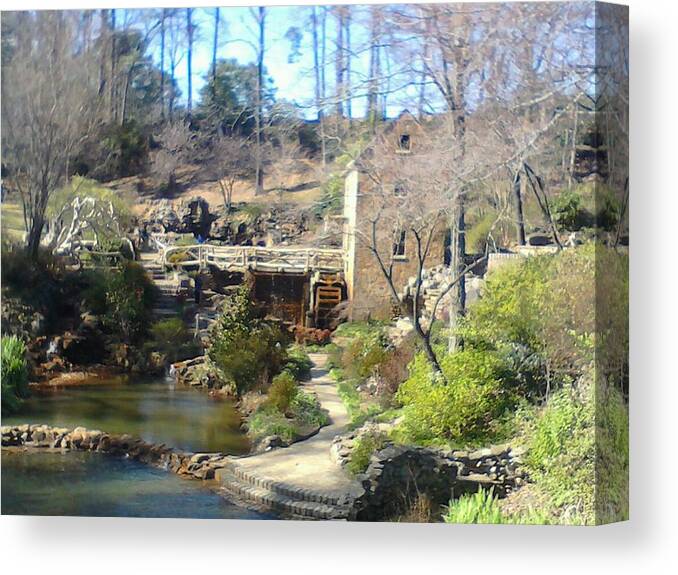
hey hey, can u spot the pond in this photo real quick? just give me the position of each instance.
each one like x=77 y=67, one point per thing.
x=155 y=410
x=98 y=485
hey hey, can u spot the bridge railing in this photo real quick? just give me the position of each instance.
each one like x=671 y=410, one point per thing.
x=241 y=258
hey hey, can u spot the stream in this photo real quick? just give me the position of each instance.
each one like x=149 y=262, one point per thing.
x=93 y=484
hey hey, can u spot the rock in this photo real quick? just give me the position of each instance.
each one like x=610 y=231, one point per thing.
x=270 y=442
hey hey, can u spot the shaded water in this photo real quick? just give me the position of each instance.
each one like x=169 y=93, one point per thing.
x=97 y=485
x=154 y=410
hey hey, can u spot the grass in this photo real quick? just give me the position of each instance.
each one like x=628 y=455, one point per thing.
x=483 y=507
x=304 y=412
x=12 y=220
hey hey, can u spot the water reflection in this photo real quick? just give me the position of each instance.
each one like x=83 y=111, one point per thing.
x=96 y=485
x=153 y=410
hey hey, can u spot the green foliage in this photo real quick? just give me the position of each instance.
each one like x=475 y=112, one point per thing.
x=172 y=338
x=332 y=195
x=13 y=373
x=476 y=235
x=246 y=350
x=364 y=353
x=303 y=412
x=269 y=421
x=483 y=507
x=124 y=298
x=578 y=454
x=467 y=407
x=362 y=451
x=298 y=363
x=566 y=209
x=282 y=392
x=550 y=316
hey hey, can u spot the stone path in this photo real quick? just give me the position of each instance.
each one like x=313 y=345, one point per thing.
x=300 y=480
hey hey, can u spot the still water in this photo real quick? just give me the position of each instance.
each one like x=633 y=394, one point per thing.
x=155 y=410
x=98 y=485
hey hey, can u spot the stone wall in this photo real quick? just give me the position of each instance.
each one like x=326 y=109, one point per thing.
x=29 y=436
x=398 y=474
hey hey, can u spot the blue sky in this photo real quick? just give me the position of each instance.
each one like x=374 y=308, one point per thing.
x=294 y=81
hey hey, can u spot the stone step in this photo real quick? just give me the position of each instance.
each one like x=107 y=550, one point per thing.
x=296 y=493
x=267 y=494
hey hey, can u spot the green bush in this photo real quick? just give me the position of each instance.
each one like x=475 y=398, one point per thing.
x=246 y=350
x=172 y=338
x=467 y=407
x=362 y=451
x=566 y=209
x=578 y=453
x=269 y=421
x=298 y=363
x=14 y=373
x=476 y=235
x=364 y=354
x=282 y=392
x=302 y=412
x=483 y=507
x=124 y=298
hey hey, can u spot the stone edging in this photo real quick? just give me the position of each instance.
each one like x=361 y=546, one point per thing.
x=36 y=436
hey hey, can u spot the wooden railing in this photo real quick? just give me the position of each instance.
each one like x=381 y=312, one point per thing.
x=242 y=258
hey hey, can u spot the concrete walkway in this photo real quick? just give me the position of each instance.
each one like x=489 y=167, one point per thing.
x=303 y=472
x=307 y=464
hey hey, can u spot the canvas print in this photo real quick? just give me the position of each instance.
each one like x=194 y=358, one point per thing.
x=351 y=262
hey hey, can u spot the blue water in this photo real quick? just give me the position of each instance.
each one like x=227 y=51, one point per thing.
x=98 y=485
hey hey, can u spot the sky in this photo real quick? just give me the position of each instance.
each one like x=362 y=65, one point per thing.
x=293 y=81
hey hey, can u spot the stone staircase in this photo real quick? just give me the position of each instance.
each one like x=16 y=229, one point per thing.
x=166 y=304
x=286 y=500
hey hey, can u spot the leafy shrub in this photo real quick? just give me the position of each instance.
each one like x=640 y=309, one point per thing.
x=465 y=408
x=483 y=507
x=124 y=298
x=298 y=363
x=246 y=350
x=476 y=235
x=46 y=285
x=306 y=410
x=567 y=210
x=561 y=456
x=302 y=412
x=332 y=195
x=364 y=353
x=14 y=373
x=282 y=392
x=578 y=453
x=172 y=338
x=362 y=451
x=269 y=421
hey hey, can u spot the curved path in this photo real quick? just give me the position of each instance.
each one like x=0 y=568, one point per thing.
x=290 y=478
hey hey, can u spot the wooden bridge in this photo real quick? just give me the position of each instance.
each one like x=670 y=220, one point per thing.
x=288 y=260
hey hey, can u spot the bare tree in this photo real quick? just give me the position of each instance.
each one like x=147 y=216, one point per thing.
x=231 y=160
x=177 y=146
x=49 y=103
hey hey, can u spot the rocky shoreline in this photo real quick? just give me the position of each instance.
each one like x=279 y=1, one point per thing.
x=43 y=437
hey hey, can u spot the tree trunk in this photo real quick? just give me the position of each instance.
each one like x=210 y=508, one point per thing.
x=318 y=85
x=189 y=60
x=215 y=45
x=162 y=63
x=518 y=205
x=259 y=116
x=347 y=79
x=112 y=92
x=339 y=63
